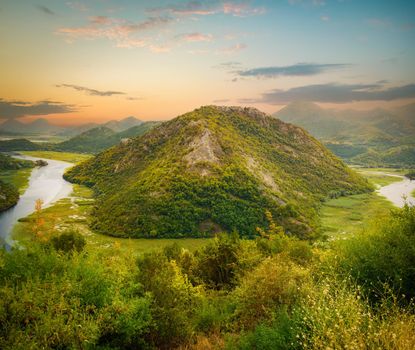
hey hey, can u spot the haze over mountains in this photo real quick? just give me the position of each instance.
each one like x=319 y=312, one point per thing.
x=43 y=126
x=214 y=169
x=373 y=137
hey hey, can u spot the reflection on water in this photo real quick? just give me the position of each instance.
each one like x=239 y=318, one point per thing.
x=46 y=183
x=399 y=192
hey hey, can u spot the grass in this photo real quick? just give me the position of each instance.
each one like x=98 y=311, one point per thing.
x=73 y=212
x=376 y=176
x=63 y=156
x=352 y=214
x=18 y=178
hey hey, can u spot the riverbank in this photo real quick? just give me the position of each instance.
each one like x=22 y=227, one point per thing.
x=353 y=214
x=45 y=183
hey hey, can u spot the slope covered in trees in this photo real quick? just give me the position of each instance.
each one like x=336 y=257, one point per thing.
x=98 y=139
x=213 y=169
x=375 y=137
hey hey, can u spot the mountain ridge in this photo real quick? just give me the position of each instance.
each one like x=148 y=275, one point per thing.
x=215 y=168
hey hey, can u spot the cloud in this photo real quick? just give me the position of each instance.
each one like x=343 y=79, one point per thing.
x=45 y=10
x=299 y=69
x=91 y=92
x=195 y=37
x=233 y=49
x=18 y=109
x=325 y=18
x=212 y=7
x=336 y=93
x=123 y=33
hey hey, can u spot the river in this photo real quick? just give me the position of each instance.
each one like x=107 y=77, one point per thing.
x=45 y=183
x=399 y=192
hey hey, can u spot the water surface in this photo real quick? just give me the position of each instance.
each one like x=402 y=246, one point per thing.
x=45 y=183
x=400 y=192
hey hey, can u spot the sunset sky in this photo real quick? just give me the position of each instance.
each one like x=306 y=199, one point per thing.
x=80 y=61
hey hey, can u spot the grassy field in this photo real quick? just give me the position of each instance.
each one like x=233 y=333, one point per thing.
x=18 y=178
x=73 y=213
x=63 y=156
x=348 y=215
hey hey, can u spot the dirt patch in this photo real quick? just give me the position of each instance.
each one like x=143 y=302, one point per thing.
x=204 y=149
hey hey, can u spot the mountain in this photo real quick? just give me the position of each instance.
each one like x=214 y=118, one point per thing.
x=91 y=141
x=97 y=139
x=12 y=126
x=72 y=131
x=376 y=137
x=123 y=124
x=38 y=126
x=214 y=169
x=19 y=145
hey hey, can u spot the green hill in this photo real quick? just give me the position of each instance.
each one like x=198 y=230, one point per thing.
x=216 y=168
x=19 y=145
x=98 y=139
x=375 y=137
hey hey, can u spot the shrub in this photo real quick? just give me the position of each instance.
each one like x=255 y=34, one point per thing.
x=383 y=256
x=217 y=262
x=174 y=299
x=69 y=242
x=274 y=284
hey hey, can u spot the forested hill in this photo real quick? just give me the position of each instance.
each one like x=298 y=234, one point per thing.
x=215 y=168
x=376 y=137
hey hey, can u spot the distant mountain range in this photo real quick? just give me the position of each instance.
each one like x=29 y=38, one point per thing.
x=377 y=137
x=43 y=126
x=91 y=141
x=214 y=169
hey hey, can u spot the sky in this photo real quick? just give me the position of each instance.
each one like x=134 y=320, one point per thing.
x=75 y=62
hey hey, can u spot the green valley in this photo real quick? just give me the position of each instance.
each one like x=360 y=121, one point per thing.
x=373 y=138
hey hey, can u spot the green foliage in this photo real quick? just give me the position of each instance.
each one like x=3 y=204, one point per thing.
x=383 y=256
x=375 y=138
x=69 y=242
x=411 y=175
x=275 y=283
x=8 y=195
x=9 y=163
x=98 y=139
x=211 y=170
x=217 y=263
x=173 y=299
x=19 y=145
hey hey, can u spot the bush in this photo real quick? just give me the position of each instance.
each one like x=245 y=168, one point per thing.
x=217 y=262
x=69 y=242
x=174 y=299
x=384 y=256
x=275 y=283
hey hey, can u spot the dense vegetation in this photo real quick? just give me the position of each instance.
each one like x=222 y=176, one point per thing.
x=98 y=139
x=214 y=169
x=91 y=141
x=9 y=163
x=19 y=145
x=8 y=195
x=272 y=292
x=371 y=138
